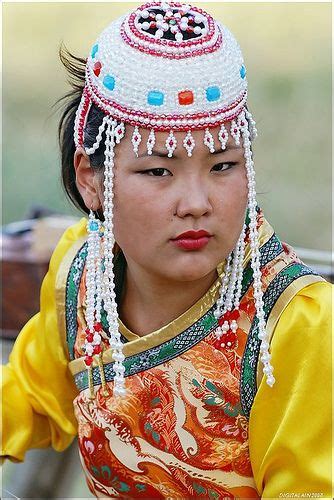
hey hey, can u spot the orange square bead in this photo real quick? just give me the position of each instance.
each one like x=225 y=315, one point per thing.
x=186 y=97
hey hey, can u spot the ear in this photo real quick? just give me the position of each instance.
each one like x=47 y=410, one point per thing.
x=85 y=179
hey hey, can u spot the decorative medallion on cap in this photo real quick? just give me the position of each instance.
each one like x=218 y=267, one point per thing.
x=172 y=30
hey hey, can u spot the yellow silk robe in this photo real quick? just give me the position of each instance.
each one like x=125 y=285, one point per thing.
x=289 y=425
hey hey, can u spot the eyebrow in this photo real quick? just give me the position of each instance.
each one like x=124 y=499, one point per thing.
x=164 y=154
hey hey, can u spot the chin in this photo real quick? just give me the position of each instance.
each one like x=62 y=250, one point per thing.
x=195 y=269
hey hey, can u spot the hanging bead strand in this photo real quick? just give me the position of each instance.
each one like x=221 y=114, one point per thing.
x=255 y=255
x=108 y=282
x=222 y=295
x=91 y=289
x=240 y=268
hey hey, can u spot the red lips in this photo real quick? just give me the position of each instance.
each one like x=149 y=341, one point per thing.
x=192 y=234
x=192 y=240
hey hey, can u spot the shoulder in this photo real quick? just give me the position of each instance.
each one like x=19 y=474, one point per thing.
x=301 y=342
x=74 y=234
x=310 y=307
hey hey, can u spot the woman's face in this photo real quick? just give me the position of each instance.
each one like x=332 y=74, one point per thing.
x=157 y=198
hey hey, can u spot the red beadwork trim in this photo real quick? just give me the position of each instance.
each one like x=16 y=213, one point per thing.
x=169 y=55
x=97 y=349
x=174 y=55
x=83 y=115
x=98 y=327
x=88 y=360
x=138 y=117
x=195 y=45
x=91 y=94
x=211 y=25
x=89 y=338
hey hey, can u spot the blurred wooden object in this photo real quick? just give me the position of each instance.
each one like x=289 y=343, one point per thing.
x=22 y=276
x=25 y=260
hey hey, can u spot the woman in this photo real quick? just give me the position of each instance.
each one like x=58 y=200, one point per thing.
x=190 y=330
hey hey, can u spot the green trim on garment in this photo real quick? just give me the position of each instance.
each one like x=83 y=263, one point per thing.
x=250 y=359
x=173 y=347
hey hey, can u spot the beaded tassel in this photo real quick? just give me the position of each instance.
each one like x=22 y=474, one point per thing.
x=96 y=144
x=209 y=140
x=223 y=136
x=251 y=125
x=189 y=143
x=150 y=142
x=227 y=308
x=93 y=297
x=119 y=132
x=109 y=295
x=235 y=132
x=255 y=255
x=171 y=144
x=136 y=140
x=227 y=311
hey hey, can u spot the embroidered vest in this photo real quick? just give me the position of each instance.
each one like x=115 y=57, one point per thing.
x=182 y=430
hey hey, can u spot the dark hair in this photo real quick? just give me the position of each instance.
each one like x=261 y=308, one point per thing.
x=75 y=67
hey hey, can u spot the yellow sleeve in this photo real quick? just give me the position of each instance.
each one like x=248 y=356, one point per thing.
x=290 y=424
x=38 y=388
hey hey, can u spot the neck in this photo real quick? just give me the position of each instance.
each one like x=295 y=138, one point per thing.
x=150 y=302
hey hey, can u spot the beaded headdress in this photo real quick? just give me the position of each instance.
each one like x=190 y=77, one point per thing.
x=167 y=67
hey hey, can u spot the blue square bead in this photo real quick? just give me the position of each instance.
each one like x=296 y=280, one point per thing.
x=242 y=71
x=155 y=98
x=94 y=50
x=212 y=93
x=93 y=225
x=109 y=82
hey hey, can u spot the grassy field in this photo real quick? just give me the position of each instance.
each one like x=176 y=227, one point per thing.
x=287 y=50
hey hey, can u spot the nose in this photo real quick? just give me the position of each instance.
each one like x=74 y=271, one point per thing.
x=193 y=199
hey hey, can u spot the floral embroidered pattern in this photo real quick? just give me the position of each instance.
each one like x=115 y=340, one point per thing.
x=182 y=431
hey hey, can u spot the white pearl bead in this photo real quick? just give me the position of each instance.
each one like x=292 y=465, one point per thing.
x=119 y=391
x=89 y=349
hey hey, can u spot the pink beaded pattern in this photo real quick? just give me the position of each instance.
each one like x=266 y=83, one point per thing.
x=81 y=118
x=206 y=39
x=200 y=81
x=161 y=123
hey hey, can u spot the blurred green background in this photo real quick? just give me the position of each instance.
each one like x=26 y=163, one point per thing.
x=287 y=50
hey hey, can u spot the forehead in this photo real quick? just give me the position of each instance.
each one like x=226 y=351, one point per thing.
x=125 y=148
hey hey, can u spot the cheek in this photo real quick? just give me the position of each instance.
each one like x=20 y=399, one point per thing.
x=231 y=207
x=137 y=211
x=233 y=193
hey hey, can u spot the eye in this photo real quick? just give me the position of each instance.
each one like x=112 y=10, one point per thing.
x=221 y=167
x=156 y=172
